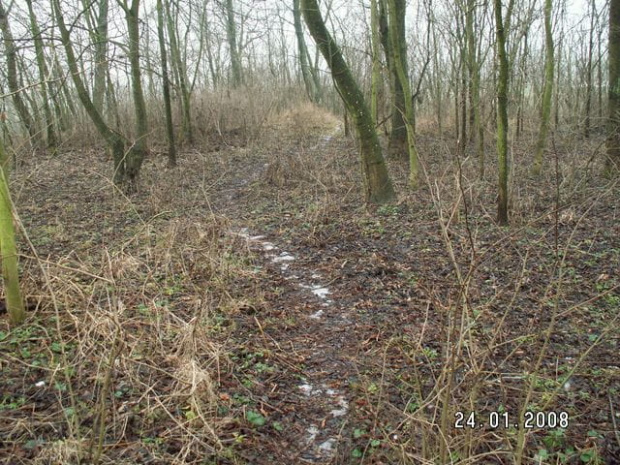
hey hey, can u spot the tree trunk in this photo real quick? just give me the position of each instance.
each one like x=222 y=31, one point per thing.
x=398 y=132
x=587 y=120
x=502 y=116
x=52 y=140
x=613 y=140
x=115 y=141
x=139 y=150
x=172 y=154
x=180 y=69
x=547 y=92
x=375 y=44
x=101 y=56
x=377 y=181
x=8 y=250
x=403 y=78
x=11 y=76
x=474 y=84
x=303 y=54
x=231 y=35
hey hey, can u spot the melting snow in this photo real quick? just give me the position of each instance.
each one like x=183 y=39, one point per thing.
x=341 y=411
x=306 y=388
x=320 y=291
x=283 y=257
x=312 y=433
x=328 y=445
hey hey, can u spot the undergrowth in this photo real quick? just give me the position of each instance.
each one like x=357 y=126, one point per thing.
x=157 y=334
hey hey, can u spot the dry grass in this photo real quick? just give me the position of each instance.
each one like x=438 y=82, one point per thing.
x=151 y=308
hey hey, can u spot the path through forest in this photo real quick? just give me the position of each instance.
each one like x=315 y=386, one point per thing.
x=263 y=315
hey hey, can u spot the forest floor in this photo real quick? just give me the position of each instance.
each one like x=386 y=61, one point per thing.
x=247 y=308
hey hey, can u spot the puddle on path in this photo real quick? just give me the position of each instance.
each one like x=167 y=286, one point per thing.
x=318 y=449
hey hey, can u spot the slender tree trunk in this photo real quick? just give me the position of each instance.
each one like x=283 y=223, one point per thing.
x=613 y=140
x=52 y=140
x=180 y=69
x=377 y=181
x=375 y=44
x=10 y=52
x=231 y=35
x=502 y=116
x=464 y=96
x=558 y=76
x=139 y=150
x=8 y=250
x=438 y=83
x=172 y=153
x=587 y=121
x=403 y=78
x=303 y=53
x=474 y=84
x=547 y=92
x=599 y=74
x=115 y=141
x=101 y=56
x=398 y=132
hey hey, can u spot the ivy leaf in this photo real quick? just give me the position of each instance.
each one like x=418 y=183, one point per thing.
x=255 y=418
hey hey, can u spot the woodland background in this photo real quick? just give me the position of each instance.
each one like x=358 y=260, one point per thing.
x=245 y=232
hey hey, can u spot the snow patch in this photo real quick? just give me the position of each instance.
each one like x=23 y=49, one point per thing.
x=307 y=389
x=320 y=292
x=317 y=315
x=283 y=257
x=327 y=446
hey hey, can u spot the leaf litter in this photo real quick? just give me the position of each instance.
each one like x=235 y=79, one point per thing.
x=273 y=319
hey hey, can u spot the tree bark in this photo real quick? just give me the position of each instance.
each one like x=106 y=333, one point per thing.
x=11 y=76
x=398 y=133
x=377 y=181
x=613 y=141
x=172 y=154
x=115 y=141
x=502 y=116
x=139 y=150
x=303 y=54
x=101 y=56
x=474 y=84
x=181 y=72
x=231 y=35
x=52 y=140
x=8 y=250
x=547 y=92
x=403 y=79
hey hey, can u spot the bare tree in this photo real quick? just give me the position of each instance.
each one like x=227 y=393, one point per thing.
x=378 y=184
x=502 y=113
x=613 y=140
x=172 y=154
x=43 y=77
x=8 y=249
x=398 y=131
x=139 y=149
x=180 y=71
x=231 y=34
x=547 y=93
x=116 y=142
x=12 y=80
